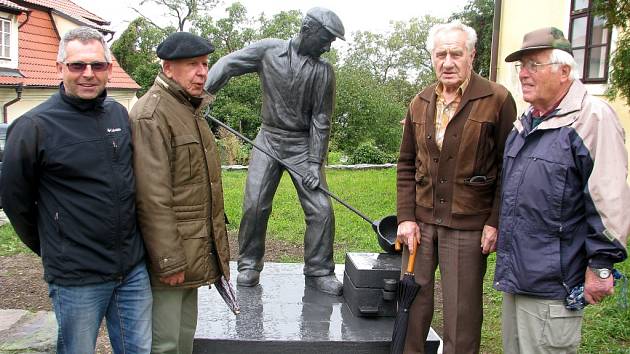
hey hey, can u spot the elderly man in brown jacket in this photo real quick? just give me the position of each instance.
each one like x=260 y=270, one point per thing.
x=179 y=192
x=448 y=187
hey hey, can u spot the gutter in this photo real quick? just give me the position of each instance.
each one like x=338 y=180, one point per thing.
x=5 y=108
x=494 y=50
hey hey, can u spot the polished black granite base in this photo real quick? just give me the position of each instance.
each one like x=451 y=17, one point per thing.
x=281 y=315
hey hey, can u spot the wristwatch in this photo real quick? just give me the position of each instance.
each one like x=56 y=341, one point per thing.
x=602 y=273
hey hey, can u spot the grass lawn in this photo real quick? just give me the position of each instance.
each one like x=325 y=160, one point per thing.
x=606 y=327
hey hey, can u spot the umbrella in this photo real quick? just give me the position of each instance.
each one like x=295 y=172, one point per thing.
x=226 y=291
x=407 y=290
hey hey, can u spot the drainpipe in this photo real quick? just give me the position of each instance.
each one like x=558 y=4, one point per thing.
x=5 y=108
x=494 y=50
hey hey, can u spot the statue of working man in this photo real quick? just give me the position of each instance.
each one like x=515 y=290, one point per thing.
x=298 y=98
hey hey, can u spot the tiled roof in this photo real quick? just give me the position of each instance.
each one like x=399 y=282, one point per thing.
x=69 y=8
x=37 y=51
x=10 y=5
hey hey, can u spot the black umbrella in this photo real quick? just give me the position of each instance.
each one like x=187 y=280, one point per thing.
x=407 y=290
x=226 y=291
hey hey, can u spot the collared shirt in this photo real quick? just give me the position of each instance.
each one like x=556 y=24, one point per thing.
x=444 y=111
x=298 y=91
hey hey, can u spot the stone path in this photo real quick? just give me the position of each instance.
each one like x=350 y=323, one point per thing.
x=23 y=331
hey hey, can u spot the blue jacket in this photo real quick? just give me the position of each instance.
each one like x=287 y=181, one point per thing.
x=564 y=195
x=69 y=190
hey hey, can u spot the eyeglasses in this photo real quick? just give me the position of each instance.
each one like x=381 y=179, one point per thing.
x=79 y=67
x=531 y=66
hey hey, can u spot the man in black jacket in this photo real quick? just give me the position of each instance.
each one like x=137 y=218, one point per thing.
x=68 y=188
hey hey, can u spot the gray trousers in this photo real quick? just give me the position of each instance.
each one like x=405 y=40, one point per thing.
x=174 y=320
x=262 y=182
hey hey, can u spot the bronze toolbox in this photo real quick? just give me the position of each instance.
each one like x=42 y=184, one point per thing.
x=370 y=282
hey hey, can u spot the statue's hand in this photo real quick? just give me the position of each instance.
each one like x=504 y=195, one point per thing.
x=311 y=178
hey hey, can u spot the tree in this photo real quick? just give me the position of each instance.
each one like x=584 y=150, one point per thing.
x=135 y=51
x=479 y=14
x=282 y=25
x=617 y=13
x=181 y=10
x=398 y=58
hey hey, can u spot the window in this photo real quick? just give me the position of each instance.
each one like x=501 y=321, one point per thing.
x=591 y=42
x=5 y=38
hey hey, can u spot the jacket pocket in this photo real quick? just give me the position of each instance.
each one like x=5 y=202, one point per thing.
x=187 y=160
x=473 y=195
x=424 y=189
x=194 y=236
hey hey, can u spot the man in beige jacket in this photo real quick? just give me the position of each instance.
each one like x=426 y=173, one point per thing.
x=179 y=192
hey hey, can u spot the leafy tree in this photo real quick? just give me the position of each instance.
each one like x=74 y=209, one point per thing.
x=135 y=51
x=398 y=58
x=479 y=15
x=283 y=25
x=617 y=13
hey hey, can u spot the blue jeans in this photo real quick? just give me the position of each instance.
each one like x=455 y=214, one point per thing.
x=126 y=304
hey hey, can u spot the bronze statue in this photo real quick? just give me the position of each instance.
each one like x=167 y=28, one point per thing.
x=298 y=98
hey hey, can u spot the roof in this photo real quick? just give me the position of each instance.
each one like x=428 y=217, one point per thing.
x=69 y=8
x=12 y=6
x=38 y=45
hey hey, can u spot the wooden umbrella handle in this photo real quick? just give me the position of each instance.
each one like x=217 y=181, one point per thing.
x=412 y=256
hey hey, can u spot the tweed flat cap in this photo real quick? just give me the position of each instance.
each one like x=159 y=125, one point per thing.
x=543 y=38
x=329 y=20
x=180 y=45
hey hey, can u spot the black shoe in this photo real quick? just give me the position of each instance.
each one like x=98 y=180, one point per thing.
x=328 y=284
x=248 y=277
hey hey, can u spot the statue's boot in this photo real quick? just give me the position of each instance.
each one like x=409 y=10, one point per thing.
x=248 y=277
x=328 y=284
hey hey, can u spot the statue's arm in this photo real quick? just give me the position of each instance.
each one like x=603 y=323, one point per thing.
x=246 y=60
x=321 y=116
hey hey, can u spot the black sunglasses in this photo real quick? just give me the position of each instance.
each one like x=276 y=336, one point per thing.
x=79 y=67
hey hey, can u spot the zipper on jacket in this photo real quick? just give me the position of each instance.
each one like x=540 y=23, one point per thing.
x=115 y=146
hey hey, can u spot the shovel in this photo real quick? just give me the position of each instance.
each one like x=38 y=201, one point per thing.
x=385 y=228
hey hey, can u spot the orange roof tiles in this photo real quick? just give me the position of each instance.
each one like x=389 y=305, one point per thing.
x=38 y=45
x=9 y=5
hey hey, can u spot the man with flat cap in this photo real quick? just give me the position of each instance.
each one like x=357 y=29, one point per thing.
x=298 y=99
x=562 y=224
x=179 y=192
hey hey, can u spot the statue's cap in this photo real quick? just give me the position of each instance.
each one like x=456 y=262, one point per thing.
x=329 y=20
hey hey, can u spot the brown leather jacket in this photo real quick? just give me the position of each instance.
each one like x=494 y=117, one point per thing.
x=178 y=183
x=437 y=187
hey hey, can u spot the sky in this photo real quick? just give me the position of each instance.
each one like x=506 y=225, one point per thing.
x=356 y=15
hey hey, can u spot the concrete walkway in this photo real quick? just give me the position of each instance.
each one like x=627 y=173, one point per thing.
x=27 y=332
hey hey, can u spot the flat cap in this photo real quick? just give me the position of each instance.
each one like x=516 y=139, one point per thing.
x=180 y=45
x=329 y=20
x=543 y=38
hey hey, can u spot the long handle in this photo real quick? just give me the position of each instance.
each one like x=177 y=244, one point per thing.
x=284 y=164
x=412 y=256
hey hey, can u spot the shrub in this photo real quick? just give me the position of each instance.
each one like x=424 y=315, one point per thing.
x=231 y=149
x=369 y=153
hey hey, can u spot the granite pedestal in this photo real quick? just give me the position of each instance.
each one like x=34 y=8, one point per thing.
x=281 y=315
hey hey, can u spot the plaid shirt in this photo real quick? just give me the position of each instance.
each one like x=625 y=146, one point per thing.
x=444 y=111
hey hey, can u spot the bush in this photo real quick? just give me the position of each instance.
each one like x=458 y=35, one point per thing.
x=369 y=153
x=335 y=158
x=231 y=149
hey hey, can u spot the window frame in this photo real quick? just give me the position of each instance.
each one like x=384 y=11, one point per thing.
x=588 y=46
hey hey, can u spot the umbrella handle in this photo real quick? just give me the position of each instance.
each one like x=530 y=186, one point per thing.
x=412 y=257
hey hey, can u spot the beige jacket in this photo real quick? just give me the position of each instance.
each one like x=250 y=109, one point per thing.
x=178 y=183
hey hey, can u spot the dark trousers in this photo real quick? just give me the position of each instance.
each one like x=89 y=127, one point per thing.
x=462 y=268
x=263 y=178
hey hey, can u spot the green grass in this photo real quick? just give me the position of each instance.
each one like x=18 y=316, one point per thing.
x=373 y=192
x=10 y=244
x=606 y=327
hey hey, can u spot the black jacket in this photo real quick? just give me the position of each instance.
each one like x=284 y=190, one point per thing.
x=68 y=188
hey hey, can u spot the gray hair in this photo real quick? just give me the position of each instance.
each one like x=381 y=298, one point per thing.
x=84 y=35
x=471 y=35
x=563 y=58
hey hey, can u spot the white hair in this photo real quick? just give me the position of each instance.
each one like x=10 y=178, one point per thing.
x=471 y=35
x=560 y=57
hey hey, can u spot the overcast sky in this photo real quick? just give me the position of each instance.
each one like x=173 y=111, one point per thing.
x=356 y=15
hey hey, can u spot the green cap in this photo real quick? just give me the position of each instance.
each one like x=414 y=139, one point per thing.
x=544 y=38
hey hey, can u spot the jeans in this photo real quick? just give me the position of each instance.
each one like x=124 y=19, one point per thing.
x=126 y=304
